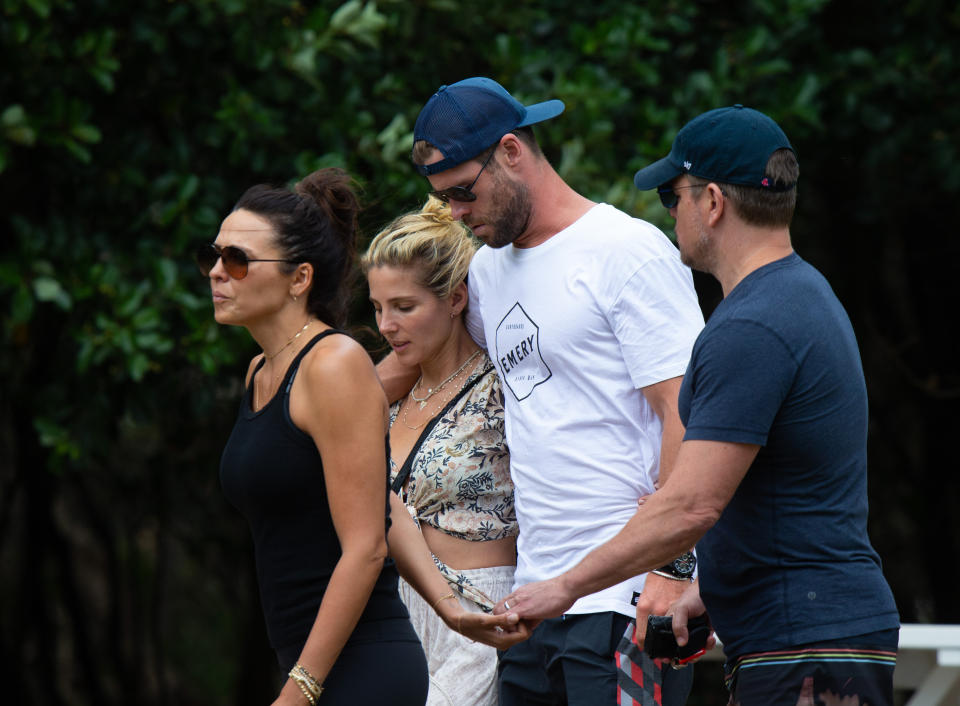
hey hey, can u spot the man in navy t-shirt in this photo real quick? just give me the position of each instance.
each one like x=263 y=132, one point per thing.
x=771 y=478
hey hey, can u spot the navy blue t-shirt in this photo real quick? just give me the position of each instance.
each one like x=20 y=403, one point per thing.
x=789 y=562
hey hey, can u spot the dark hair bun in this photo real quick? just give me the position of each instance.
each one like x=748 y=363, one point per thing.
x=332 y=190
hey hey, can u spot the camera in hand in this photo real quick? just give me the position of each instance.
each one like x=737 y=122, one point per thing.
x=660 y=641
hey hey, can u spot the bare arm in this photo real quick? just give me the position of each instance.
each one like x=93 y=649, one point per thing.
x=660 y=592
x=397 y=379
x=662 y=397
x=336 y=376
x=416 y=565
x=704 y=478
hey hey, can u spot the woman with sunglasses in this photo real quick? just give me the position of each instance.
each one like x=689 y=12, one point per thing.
x=307 y=459
x=449 y=460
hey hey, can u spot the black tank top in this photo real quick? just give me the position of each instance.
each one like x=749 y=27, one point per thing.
x=272 y=472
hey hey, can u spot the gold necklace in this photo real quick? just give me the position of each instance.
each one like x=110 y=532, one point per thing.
x=284 y=347
x=431 y=391
x=269 y=357
x=443 y=402
x=406 y=407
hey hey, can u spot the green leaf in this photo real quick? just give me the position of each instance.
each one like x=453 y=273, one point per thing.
x=15 y=126
x=138 y=366
x=41 y=7
x=86 y=133
x=345 y=15
x=22 y=306
x=47 y=289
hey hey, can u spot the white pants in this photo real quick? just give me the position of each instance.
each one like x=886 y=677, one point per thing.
x=462 y=673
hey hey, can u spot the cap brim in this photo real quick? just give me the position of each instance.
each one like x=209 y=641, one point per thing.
x=652 y=176
x=538 y=112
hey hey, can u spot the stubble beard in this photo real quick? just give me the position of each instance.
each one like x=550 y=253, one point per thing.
x=697 y=257
x=511 y=218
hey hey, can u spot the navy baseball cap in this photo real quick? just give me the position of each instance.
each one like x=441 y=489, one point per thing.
x=465 y=118
x=726 y=145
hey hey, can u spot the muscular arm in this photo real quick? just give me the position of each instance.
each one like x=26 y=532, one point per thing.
x=704 y=478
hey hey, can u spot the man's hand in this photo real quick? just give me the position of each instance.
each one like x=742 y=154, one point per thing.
x=537 y=601
x=500 y=631
x=689 y=605
x=659 y=594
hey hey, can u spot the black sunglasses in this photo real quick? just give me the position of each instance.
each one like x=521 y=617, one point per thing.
x=669 y=196
x=463 y=193
x=235 y=260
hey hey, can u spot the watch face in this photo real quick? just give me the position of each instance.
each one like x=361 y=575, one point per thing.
x=685 y=564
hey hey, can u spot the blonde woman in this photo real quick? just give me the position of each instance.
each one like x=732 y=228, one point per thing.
x=449 y=462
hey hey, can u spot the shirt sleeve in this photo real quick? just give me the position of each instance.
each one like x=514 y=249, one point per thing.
x=656 y=318
x=473 y=320
x=739 y=377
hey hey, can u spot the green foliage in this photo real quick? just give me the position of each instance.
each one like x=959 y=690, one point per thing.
x=126 y=133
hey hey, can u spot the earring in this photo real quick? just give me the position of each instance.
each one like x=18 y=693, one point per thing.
x=294 y=297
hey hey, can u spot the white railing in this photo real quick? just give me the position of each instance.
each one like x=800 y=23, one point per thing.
x=928 y=664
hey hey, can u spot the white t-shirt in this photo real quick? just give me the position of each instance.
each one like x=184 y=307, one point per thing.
x=576 y=326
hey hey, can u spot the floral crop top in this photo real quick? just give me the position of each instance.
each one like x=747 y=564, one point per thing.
x=459 y=479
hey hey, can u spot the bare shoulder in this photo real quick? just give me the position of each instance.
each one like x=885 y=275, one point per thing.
x=338 y=369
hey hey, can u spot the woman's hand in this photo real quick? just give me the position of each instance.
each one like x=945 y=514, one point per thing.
x=500 y=631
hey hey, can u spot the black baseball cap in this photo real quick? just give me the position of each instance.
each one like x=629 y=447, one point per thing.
x=465 y=118
x=726 y=145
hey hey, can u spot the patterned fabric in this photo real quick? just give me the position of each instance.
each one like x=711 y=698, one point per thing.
x=460 y=478
x=642 y=681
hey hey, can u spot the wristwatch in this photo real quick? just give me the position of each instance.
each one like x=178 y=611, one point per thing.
x=680 y=568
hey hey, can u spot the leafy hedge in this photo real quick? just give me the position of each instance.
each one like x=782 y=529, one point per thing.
x=126 y=132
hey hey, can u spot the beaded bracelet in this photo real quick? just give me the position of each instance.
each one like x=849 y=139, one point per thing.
x=310 y=687
x=311 y=699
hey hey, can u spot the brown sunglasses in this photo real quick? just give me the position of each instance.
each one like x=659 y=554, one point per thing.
x=235 y=260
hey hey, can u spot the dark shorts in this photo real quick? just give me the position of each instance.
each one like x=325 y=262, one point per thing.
x=573 y=660
x=382 y=663
x=851 y=670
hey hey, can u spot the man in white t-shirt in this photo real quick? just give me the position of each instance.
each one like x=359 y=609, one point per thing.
x=590 y=317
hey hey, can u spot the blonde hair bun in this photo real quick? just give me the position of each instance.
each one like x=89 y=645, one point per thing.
x=438 y=247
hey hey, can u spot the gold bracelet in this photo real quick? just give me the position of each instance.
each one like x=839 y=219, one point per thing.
x=437 y=602
x=311 y=699
x=308 y=684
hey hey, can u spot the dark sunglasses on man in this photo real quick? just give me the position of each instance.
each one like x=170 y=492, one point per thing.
x=235 y=260
x=463 y=193
x=669 y=196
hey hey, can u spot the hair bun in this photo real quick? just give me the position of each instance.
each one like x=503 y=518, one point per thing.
x=331 y=189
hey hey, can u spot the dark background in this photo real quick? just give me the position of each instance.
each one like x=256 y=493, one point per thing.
x=128 y=130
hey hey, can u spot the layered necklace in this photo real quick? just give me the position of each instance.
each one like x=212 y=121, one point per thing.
x=431 y=391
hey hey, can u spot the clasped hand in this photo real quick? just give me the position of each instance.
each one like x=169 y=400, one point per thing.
x=500 y=631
